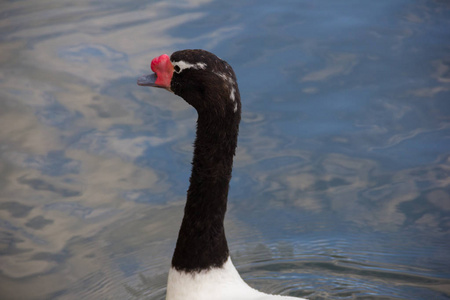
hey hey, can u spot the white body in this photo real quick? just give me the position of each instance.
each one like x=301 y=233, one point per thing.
x=223 y=283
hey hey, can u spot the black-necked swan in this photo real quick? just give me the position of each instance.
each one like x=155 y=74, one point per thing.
x=201 y=265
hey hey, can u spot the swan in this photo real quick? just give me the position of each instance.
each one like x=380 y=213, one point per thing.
x=201 y=265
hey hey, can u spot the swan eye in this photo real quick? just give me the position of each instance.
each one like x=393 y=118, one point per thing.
x=177 y=69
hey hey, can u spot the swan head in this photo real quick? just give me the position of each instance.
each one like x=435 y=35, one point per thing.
x=202 y=79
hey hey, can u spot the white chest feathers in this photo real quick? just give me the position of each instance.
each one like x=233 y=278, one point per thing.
x=223 y=283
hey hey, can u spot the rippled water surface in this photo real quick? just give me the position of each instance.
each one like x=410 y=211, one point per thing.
x=341 y=185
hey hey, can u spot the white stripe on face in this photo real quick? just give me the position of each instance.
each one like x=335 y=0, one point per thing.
x=182 y=65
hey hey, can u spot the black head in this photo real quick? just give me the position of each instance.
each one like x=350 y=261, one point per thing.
x=205 y=81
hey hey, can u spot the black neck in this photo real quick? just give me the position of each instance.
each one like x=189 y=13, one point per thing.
x=201 y=241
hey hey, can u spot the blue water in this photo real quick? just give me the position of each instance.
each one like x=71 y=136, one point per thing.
x=341 y=184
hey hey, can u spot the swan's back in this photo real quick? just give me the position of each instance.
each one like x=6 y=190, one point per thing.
x=223 y=283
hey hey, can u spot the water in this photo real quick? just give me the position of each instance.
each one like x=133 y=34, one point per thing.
x=341 y=185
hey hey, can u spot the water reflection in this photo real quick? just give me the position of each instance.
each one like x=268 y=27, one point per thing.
x=341 y=181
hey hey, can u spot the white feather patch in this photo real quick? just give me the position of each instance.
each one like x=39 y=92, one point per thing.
x=214 y=284
x=224 y=77
x=230 y=82
x=232 y=94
